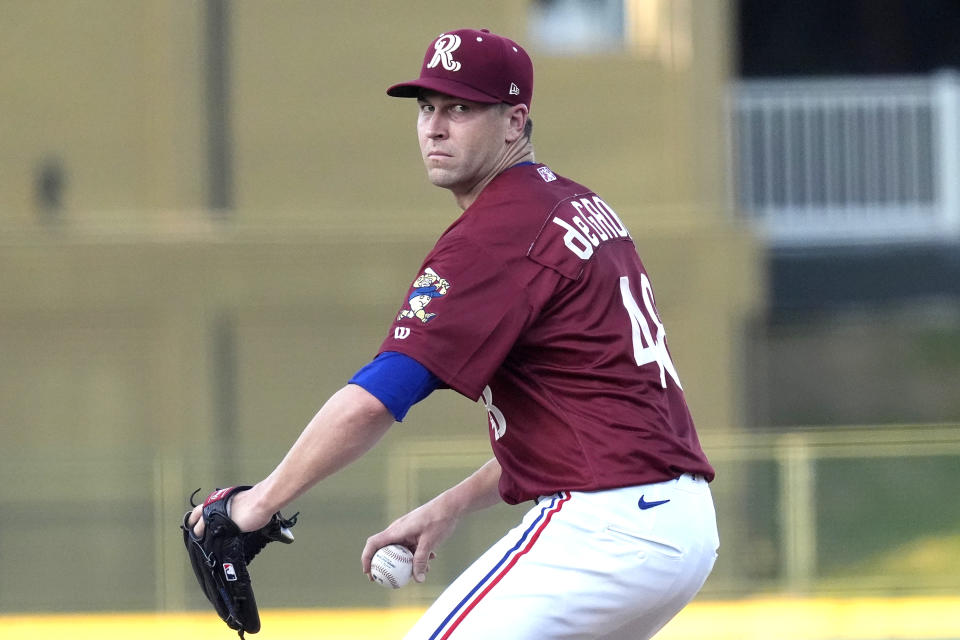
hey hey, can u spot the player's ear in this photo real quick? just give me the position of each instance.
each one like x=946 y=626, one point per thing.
x=517 y=118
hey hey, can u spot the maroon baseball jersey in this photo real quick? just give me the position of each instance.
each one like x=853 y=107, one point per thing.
x=536 y=303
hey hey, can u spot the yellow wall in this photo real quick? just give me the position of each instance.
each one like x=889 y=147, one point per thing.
x=314 y=127
x=109 y=87
x=116 y=90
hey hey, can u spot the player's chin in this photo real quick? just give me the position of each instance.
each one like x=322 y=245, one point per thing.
x=441 y=177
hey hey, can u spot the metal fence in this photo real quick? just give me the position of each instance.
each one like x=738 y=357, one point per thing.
x=847 y=160
x=869 y=511
x=844 y=510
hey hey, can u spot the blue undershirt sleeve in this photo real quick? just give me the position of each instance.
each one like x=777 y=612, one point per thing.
x=396 y=380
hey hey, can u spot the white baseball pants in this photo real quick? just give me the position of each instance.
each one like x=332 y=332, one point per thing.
x=603 y=565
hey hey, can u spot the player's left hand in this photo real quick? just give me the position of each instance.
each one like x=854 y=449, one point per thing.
x=220 y=552
x=422 y=531
x=242 y=512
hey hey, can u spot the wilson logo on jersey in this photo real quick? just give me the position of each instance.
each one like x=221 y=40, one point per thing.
x=426 y=287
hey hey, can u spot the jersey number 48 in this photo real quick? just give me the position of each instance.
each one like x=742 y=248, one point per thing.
x=648 y=347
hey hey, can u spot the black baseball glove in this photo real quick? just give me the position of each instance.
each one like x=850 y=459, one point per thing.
x=221 y=555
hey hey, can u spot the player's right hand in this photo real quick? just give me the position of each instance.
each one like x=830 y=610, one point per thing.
x=422 y=531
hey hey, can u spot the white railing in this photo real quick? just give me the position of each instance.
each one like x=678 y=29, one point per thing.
x=848 y=160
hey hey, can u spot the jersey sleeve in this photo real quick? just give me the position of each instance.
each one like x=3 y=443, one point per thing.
x=461 y=316
x=396 y=380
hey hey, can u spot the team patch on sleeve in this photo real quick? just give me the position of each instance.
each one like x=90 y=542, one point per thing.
x=426 y=287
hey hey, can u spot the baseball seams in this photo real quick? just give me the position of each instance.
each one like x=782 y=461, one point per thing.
x=392 y=566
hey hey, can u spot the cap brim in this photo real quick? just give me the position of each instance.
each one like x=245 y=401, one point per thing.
x=413 y=88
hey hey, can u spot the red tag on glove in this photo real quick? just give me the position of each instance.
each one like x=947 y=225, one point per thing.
x=219 y=494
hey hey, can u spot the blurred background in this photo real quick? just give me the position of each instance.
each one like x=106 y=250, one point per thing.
x=210 y=212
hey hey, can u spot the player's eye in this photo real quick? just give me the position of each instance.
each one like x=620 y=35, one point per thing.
x=425 y=107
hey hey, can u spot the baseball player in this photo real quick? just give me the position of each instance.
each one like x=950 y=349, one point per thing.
x=547 y=316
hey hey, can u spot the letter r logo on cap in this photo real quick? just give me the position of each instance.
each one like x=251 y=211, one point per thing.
x=443 y=52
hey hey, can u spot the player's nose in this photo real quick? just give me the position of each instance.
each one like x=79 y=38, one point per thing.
x=435 y=128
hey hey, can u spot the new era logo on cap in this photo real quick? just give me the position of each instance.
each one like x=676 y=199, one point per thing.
x=474 y=65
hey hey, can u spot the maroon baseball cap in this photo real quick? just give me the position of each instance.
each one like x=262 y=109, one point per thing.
x=473 y=65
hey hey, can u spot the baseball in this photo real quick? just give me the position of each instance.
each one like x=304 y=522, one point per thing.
x=392 y=566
